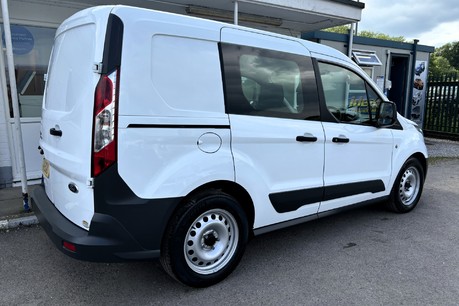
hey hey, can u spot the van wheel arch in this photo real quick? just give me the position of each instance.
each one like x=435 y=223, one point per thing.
x=422 y=159
x=231 y=188
x=408 y=185
x=205 y=237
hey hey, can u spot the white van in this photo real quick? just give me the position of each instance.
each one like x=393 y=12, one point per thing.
x=171 y=137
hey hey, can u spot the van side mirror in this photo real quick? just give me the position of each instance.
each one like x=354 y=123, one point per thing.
x=387 y=114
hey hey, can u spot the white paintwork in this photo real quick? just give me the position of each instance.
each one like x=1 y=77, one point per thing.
x=268 y=159
x=297 y=16
x=68 y=106
x=366 y=157
x=405 y=143
x=171 y=79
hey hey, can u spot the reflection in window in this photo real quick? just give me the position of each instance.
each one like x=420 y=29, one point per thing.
x=260 y=82
x=271 y=84
x=346 y=95
x=31 y=51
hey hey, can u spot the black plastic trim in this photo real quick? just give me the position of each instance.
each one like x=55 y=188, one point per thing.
x=292 y=200
x=106 y=241
x=113 y=44
x=124 y=226
x=144 y=219
x=55 y=132
x=352 y=206
x=277 y=226
x=325 y=115
x=306 y=138
x=340 y=140
x=345 y=190
x=177 y=126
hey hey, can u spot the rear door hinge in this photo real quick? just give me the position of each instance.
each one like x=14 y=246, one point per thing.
x=97 y=68
x=90 y=183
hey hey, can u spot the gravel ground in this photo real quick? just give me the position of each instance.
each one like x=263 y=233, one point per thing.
x=442 y=148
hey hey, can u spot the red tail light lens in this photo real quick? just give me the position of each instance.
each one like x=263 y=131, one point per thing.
x=104 y=137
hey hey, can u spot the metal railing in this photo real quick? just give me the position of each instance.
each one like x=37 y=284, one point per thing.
x=442 y=105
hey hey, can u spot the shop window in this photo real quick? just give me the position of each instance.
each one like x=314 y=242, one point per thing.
x=31 y=51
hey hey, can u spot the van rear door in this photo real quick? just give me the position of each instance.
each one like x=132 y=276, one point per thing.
x=67 y=121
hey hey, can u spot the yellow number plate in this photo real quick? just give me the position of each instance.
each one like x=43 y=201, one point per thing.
x=45 y=168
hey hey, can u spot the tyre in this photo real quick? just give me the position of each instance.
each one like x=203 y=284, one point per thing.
x=205 y=240
x=408 y=186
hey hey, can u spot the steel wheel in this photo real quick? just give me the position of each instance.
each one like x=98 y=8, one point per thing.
x=211 y=241
x=205 y=240
x=409 y=186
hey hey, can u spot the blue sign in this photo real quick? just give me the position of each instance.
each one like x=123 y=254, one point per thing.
x=21 y=39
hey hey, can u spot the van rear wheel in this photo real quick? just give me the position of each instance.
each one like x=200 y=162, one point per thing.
x=407 y=188
x=205 y=240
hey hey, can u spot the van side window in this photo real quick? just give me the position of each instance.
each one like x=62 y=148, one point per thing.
x=261 y=82
x=347 y=96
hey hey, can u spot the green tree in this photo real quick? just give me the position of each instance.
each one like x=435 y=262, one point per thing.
x=344 y=29
x=439 y=65
x=450 y=52
x=445 y=60
x=378 y=35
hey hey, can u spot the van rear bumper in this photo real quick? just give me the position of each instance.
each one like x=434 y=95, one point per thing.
x=106 y=241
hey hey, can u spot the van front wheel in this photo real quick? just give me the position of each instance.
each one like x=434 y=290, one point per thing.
x=407 y=187
x=205 y=240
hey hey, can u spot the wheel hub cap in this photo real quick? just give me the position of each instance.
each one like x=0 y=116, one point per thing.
x=409 y=186
x=211 y=241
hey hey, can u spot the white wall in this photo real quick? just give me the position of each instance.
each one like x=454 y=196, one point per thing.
x=5 y=160
x=42 y=13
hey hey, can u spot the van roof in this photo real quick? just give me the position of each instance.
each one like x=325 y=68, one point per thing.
x=97 y=12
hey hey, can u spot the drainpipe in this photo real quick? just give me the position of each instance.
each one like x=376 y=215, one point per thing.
x=6 y=107
x=236 y=12
x=14 y=97
x=413 y=68
x=351 y=41
x=386 y=73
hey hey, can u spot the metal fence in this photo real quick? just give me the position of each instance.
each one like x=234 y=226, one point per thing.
x=442 y=106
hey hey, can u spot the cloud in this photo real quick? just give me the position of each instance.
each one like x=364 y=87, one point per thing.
x=412 y=19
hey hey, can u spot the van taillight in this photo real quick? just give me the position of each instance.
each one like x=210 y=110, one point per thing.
x=104 y=137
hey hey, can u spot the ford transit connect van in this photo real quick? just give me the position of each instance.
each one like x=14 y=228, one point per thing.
x=171 y=137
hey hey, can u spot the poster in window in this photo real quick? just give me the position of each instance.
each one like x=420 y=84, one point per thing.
x=419 y=91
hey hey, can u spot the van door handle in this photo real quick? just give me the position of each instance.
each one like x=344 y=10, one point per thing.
x=306 y=138
x=55 y=132
x=340 y=139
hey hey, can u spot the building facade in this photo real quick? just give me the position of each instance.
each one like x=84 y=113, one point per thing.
x=400 y=69
x=34 y=22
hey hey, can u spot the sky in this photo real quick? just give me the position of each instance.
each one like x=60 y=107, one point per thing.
x=433 y=22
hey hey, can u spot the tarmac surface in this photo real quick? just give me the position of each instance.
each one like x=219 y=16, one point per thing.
x=12 y=212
